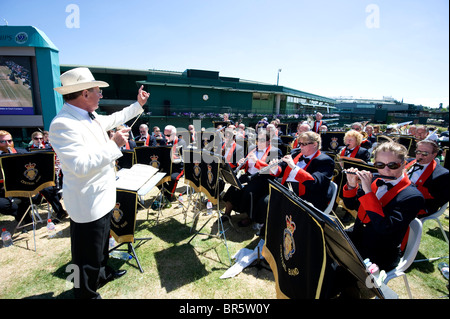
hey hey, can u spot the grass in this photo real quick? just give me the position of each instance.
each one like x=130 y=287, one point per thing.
x=176 y=269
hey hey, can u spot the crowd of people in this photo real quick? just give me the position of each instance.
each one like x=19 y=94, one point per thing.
x=87 y=145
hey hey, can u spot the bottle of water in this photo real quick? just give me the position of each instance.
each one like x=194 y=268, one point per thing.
x=118 y=254
x=51 y=229
x=112 y=242
x=6 y=238
x=208 y=208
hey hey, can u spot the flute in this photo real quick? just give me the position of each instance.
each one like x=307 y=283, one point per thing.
x=270 y=166
x=377 y=175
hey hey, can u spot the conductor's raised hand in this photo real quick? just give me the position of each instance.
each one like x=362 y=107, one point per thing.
x=142 y=96
x=121 y=137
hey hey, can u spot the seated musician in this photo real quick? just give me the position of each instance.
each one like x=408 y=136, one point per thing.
x=431 y=179
x=37 y=141
x=156 y=139
x=370 y=135
x=143 y=133
x=257 y=188
x=365 y=142
x=385 y=206
x=308 y=171
x=170 y=132
x=232 y=151
x=353 y=148
x=301 y=128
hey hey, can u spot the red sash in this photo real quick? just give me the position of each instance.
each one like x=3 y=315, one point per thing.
x=377 y=205
x=353 y=154
x=422 y=178
x=230 y=153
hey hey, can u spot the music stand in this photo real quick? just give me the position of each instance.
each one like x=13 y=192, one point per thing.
x=208 y=171
x=131 y=183
x=228 y=174
x=24 y=175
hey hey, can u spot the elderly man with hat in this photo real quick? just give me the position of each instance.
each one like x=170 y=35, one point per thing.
x=87 y=156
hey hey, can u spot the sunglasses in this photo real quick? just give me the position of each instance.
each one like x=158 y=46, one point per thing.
x=424 y=153
x=305 y=144
x=6 y=141
x=38 y=138
x=391 y=165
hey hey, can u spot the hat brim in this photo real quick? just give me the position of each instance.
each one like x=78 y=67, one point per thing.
x=67 y=89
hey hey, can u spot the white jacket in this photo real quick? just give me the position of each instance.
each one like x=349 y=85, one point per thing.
x=87 y=160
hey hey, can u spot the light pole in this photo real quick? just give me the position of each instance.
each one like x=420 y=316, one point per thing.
x=278 y=76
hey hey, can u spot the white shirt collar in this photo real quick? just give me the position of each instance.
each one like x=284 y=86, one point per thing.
x=82 y=112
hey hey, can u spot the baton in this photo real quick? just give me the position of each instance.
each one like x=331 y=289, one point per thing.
x=136 y=119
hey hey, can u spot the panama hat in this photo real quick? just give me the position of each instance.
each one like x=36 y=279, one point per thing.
x=78 y=79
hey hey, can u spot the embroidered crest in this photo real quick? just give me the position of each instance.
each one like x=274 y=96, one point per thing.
x=289 y=243
x=154 y=161
x=334 y=143
x=197 y=170
x=117 y=213
x=210 y=177
x=31 y=172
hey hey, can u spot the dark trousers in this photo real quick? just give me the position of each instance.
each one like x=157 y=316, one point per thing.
x=90 y=245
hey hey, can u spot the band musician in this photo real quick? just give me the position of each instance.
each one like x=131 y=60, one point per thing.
x=431 y=179
x=250 y=198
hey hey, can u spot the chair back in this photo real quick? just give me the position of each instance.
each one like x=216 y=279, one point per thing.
x=334 y=189
x=437 y=214
x=412 y=246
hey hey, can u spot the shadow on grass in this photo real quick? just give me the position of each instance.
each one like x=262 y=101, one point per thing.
x=178 y=266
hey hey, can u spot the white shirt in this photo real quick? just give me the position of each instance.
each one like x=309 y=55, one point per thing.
x=300 y=165
x=383 y=189
x=416 y=175
x=251 y=165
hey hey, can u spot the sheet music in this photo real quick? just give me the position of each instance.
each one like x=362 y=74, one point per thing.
x=135 y=177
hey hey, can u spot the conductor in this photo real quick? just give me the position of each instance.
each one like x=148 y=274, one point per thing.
x=87 y=155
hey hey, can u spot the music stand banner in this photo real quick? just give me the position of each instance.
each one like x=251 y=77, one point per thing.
x=294 y=247
x=332 y=141
x=27 y=174
x=210 y=176
x=299 y=238
x=123 y=219
x=192 y=169
x=201 y=171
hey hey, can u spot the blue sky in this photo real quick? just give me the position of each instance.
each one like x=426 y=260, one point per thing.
x=356 y=48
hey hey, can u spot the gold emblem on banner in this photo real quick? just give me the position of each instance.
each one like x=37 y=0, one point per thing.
x=117 y=213
x=334 y=143
x=289 y=243
x=154 y=161
x=197 y=170
x=210 y=177
x=31 y=171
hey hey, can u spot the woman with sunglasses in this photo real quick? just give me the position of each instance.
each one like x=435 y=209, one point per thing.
x=386 y=206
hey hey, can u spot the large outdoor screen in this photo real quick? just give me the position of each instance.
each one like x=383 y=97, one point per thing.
x=16 y=85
